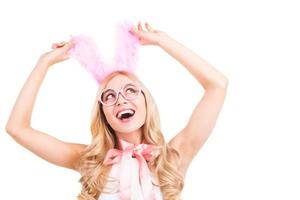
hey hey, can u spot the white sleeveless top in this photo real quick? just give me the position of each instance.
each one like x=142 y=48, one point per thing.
x=111 y=189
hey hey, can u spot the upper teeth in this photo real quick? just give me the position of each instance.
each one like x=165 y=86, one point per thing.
x=124 y=111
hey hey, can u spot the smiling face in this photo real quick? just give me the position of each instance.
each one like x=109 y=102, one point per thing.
x=138 y=104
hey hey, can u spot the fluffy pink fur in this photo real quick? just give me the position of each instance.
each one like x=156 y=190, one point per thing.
x=86 y=52
x=126 y=47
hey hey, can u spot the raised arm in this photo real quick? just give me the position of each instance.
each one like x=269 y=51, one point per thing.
x=55 y=151
x=203 y=118
x=202 y=121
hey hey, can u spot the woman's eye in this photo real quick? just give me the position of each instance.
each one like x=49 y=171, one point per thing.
x=109 y=96
x=130 y=90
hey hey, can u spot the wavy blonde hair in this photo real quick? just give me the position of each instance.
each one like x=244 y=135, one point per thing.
x=94 y=174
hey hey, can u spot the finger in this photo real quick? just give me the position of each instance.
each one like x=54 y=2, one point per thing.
x=140 y=26
x=68 y=46
x=61 y=44
x=134 y=30
x=64 y=48
x=57 y=45
x=149 y=28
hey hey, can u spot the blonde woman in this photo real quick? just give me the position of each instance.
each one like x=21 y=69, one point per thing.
x=128 y=157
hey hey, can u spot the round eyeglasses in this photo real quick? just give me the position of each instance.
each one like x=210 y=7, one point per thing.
x=109 y=97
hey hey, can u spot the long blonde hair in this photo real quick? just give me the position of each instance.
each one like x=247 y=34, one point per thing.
x=94 y=174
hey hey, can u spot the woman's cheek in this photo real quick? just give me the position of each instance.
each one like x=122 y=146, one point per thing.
x=109 y=117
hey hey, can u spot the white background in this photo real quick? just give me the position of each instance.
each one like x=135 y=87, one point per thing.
x=253 y=151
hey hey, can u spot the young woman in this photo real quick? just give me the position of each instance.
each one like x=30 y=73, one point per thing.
x=128 y=157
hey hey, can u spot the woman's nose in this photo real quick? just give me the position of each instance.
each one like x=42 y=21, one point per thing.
x=120 y=99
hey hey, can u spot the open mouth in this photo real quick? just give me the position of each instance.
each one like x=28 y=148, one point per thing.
x=126 y=115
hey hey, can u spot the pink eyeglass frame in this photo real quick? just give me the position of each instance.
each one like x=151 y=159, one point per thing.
x=120 y=91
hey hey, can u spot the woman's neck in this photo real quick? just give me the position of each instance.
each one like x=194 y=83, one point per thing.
x=135 y=137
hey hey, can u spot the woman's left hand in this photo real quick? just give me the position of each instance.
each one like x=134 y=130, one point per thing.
x=149 y=36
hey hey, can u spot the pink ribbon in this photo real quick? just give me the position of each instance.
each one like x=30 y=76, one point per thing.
x=141 y=152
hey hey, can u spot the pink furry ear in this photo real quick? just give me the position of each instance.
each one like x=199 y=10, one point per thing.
x=126 y=49
x=86 y=52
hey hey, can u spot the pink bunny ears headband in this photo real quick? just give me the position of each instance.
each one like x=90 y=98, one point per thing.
x=86 y=52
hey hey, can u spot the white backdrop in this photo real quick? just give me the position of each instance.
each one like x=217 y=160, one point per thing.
x=253 y=151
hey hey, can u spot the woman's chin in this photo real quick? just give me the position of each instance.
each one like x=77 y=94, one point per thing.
x=127 y=129
x=128 y=125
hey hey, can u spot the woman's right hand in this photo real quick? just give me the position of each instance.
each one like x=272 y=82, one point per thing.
x=58 y=53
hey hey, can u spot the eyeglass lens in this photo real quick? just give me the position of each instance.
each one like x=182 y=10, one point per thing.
x=130 y=91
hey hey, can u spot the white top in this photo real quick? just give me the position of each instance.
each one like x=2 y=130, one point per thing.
x=111 y=189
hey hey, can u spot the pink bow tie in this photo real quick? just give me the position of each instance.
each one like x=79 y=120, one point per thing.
x=141 y=152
